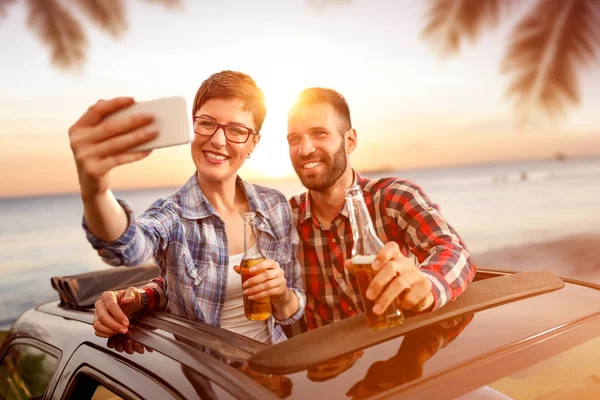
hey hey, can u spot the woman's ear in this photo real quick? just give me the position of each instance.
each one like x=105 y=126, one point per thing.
x=255 y=141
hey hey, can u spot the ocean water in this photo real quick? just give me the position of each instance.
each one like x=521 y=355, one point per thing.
x=491 y=206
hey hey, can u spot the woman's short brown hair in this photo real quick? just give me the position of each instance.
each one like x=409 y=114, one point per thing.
x=229 y=85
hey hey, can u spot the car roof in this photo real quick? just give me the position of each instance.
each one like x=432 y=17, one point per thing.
x=507 y=310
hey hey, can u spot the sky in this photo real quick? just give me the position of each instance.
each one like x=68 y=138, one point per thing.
x=410 y=109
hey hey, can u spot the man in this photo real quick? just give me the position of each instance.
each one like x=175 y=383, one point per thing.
x=424 y=260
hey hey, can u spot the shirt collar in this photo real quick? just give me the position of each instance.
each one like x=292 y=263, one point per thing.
x=194 y=204
x=357 y=180
x=307 y=214
x=256 y=201
x=305 y=211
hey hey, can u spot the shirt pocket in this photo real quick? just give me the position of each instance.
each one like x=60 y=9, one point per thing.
x=274 y=247
x=196 y=272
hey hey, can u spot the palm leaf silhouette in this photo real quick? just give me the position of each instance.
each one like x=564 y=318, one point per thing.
x=546 y=48
x=166 y=3
x=56 y=26
x=3 y=5
x=451 y=21
x=320 y=5
x=107 y=14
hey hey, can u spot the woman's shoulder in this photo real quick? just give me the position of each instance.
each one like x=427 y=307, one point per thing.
x=270 y=202
x=164 y=206
x=267 y=190
x=172 y=203
x=269 y=195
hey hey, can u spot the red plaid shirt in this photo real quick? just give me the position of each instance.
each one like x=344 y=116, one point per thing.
x=401 y=212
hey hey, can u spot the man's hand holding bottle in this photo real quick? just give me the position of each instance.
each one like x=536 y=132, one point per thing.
x=397 y=275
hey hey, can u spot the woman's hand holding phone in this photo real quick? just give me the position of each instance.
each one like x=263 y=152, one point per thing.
x=99 y=145
x=120 y=131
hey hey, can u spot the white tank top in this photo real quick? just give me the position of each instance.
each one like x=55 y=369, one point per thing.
x=233 y=317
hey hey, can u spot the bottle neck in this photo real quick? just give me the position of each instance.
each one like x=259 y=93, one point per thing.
x=360 y=219
x=251 y=237
x=365 y=239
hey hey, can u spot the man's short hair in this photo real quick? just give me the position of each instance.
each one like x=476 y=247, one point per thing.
x=231 y=85
x=317 y=95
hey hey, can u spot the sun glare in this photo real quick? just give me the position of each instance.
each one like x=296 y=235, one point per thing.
x=271 y=157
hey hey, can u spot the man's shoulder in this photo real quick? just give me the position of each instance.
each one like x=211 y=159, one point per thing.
x=395 y=193
x=297 y=200
x=392 y=185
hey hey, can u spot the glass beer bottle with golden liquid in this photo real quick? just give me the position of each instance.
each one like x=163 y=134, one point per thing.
x=364 y=249
x=256 y=310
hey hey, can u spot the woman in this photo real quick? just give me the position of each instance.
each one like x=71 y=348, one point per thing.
x=195 y=235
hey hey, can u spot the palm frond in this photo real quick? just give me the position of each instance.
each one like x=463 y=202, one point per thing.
x=546 y=48
x=167 y=3
x=55 y=26
x=4 y=5
x=107 y=14
x=320 y=5
x=324 y=2
x=449 y=22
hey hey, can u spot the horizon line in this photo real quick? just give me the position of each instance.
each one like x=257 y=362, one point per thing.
x=288 y=178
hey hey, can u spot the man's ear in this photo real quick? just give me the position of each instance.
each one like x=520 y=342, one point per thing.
x=351 y=140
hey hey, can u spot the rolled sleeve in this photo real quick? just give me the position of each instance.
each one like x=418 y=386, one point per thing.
x=439 y=288
x=439 y=250
x=159 y=288
x=141 y=240
x=116 y=252
x=450 y=270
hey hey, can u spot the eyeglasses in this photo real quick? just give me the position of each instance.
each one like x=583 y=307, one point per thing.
x=234 y=133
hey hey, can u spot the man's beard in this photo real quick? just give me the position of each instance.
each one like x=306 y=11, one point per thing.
x=333 y=168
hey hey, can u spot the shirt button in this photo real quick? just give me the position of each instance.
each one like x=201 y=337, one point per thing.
x=430 y=209
x=349 y=308
x=333 y=240
x=339 y=275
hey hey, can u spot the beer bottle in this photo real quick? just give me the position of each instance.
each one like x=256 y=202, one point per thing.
x=364 y=249
x=256 y=310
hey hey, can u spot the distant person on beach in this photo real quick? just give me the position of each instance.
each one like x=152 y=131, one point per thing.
x=523 y=176
x=195 y=235
x=424 y=260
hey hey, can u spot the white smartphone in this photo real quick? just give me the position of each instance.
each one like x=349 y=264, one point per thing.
x=170 y=119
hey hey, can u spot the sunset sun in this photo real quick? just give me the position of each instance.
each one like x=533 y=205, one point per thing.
x=271 y=157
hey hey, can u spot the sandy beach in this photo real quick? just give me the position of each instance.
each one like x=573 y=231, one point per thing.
x=575 y=256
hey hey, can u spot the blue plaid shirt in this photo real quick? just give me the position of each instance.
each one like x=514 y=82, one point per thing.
x=186 y=237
